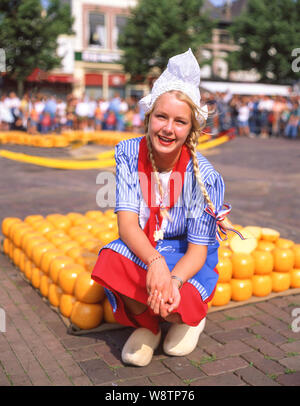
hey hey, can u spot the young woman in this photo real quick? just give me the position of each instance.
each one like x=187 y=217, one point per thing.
x=162 y=268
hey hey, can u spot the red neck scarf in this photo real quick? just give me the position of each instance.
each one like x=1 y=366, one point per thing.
x=148 y=186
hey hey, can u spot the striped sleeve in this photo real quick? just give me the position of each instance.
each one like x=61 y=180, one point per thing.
x=127 y=183
x=201 y=230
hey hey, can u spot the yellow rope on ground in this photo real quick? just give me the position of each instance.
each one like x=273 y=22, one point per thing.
x=58 y=163
x=213 y=143
x=204 y=137
x=106 y=154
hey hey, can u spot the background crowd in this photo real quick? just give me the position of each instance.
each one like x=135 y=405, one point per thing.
x=250 y=116
x=258 y=116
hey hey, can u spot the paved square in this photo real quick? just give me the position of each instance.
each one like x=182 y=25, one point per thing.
x=249 y=345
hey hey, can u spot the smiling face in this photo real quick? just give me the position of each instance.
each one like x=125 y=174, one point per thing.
x=169 y=126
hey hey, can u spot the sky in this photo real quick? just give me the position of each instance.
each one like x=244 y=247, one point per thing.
x=44 y=3
x=214 y=2
x=217 y=2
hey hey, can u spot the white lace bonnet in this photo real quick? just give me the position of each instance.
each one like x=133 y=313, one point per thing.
x=182 y=73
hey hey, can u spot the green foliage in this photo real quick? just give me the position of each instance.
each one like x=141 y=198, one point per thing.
x=159 y=29
x=267 y=32
x=29 y=35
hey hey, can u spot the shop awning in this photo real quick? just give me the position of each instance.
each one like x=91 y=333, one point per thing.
x=117 y=80
x=38 y=75
x=60 y=77
x=93 y=79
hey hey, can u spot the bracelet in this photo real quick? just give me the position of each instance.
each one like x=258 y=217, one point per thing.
x=153 y=259
x=178 y=279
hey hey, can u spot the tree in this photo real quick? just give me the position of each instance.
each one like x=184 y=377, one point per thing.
x=159 y=29
x=28 y=34
x=267 y=31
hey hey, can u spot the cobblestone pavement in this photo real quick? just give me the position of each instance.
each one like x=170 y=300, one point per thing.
x=250 y=345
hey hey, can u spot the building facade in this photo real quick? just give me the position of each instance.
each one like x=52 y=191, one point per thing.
x=222 y=44
x=97 y=69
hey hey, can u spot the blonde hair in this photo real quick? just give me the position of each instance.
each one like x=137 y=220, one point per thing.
x=191 y=142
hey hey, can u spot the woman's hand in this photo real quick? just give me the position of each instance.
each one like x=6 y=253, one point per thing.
x=159 y=285
x=176 y=297
x=163 y=308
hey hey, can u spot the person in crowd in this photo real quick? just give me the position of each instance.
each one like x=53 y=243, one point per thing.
x=123 y=111
x=61 y=116
x=265 y=106
x=110 y=120
x=13 y=103
x=243 y=118
x=254 y=117
x=292 y=127
x=104 y=105
x=6 y=116
x=278 y=107
x=233 y=105
x=82 y=112
x=46 y=123
x=99 y=116
x=51 y=106
x=40 y=106
x=33 y=120
x=136 y=120
x=25 y=105
x=115 y=107
x=92 y=105
x=71 y=123
x=284 y=116
x=129 y=119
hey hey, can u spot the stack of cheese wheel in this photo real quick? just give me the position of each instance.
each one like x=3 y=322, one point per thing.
x=284 y=260
x=260 y=264
x=295 y=272
x=224 y=267
x=57 y=253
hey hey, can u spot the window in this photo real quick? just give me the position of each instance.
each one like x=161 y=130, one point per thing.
x=224 y=38
x=97 y=30
x=120 y=22
x=94 y=92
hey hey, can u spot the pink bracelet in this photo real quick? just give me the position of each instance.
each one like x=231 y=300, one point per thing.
x=153 y=259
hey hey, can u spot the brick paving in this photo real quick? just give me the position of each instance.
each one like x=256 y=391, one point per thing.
x=249 y=345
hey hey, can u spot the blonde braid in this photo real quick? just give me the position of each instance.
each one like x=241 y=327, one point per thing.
x=191 y=143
